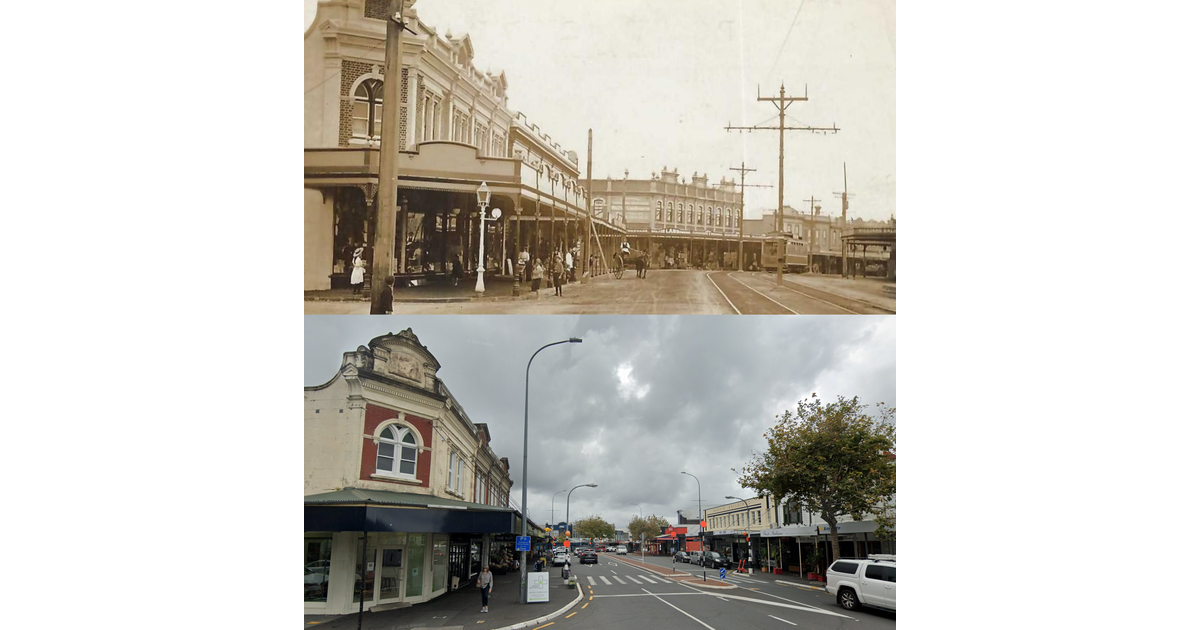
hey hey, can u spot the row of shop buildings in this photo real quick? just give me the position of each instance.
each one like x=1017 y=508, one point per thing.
x=404 y=498
x=457 y=132
x=783 y=537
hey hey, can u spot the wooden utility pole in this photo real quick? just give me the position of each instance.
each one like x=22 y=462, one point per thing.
x=782 y=102
x=812 y=229
x=845 y=206
x=587 y=239
x=742 y=210
x=384 y=246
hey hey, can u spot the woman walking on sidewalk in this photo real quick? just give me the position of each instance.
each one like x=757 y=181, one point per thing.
x=485 y=586
x=360 y=269
x=558 y=271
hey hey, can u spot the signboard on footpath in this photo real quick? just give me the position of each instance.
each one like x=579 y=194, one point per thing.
x=539 y=587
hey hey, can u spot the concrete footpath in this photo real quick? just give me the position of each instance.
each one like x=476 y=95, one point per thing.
x=461 y=609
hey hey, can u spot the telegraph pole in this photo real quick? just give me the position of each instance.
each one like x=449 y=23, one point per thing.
x=742 y=210
x=811 y=241
x=384 y=246
x=782 y=102
x=587 y=240
x=845 y=206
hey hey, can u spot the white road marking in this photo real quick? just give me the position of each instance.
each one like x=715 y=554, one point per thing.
x=735 y=309
x=646 y=594
x=680 y=610
x=591 y=580
x=634 y=579
x=783 y=620
x=799 y=606
x=605 y=580
x=618 y=579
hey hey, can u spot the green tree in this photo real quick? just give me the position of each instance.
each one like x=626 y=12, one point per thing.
x=593 y=527
x=834 y=458
x=650 y=526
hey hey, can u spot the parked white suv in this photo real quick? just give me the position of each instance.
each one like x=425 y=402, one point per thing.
x=621 y=550
x=870 y=582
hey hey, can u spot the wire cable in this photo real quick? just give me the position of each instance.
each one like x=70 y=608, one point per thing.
x=785 y=38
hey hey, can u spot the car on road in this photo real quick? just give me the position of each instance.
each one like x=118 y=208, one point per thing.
x=621 y=550
x=588 y=557
x=714 y=559
x=695 y=557
x=681 y=556
x=856 y=582
x=559 y=559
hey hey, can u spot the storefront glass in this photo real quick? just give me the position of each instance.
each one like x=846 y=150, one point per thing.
x=317 y=552
x=441 y=543
x=415 y=566
x=364 y=577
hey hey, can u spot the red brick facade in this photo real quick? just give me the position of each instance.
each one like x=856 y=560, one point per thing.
x=376 y=9
x=378 y=415
x=351 y=71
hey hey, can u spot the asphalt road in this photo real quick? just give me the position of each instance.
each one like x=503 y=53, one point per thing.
x=663 y=291
x=622 y=596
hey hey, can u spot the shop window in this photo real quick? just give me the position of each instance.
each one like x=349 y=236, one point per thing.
x=317 y=553
x=397 y=455
x=367 y=114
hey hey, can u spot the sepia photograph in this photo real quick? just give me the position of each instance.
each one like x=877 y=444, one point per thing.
x=623 y=157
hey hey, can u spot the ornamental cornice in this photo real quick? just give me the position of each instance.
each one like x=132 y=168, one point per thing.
x=429 y=404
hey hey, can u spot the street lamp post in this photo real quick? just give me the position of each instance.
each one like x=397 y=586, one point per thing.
x=643 y=542
x=524 y=594
x=747 y=523
x=586 y=485
x=700 y=512
x=484 y=195
x=552 y=506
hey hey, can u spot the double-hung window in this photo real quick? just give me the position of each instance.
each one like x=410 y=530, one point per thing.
x=397 y=455
x=454 y=479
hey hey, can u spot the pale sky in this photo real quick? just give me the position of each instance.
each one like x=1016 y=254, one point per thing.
x=659 y=81
x=639 y=401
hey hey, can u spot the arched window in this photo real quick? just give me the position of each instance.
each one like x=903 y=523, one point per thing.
x=368 y=110
x=658 y=212
x=710 y=216
x=720 y=219
x=690 y=207
x=397 y=453
x=670 y=212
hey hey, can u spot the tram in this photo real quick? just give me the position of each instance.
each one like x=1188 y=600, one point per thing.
x=795 y=256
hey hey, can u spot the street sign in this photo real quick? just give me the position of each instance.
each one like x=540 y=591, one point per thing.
x=567 y=543
x=522 y=543
x=722 y=573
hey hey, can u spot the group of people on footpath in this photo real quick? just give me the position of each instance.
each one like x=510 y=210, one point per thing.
x=560 y=272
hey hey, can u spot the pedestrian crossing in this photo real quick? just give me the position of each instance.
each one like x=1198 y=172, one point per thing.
x=648 y=579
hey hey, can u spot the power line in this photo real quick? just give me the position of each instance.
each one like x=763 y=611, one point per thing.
x=785 y=39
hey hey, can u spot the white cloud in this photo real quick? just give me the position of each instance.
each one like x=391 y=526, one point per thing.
x=628 y=385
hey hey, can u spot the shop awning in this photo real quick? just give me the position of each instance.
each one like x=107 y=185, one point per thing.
x=356 y=510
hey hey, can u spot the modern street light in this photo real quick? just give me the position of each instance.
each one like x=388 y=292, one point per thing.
x=747 y=523
x=700 y=512
x=586 y=485
x=524 y=594
x=484 y=196
x=642 y=543
x=552 y=506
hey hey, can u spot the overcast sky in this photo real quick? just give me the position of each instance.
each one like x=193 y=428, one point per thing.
x=641 y=399
x=659 y=81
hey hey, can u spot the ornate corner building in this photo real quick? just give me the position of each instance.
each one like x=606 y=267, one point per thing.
x=390 y=457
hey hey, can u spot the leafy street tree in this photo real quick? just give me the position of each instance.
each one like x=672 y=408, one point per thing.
x=593 y=527
x=651 y=526
x=834 y=458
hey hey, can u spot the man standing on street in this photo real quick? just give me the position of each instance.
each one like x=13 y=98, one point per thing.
x=485 y=586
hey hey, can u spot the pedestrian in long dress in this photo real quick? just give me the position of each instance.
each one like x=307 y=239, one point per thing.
x=538 y=270
x=359 y=272
x=456 y=269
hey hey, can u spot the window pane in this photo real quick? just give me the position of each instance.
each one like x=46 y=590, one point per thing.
x=387 y=434
x=408 y=468
x=408 y=454
x=383 y=463
x=360 y=127
x=317 y=553
x=360 y=109
x=387 y=450
x=409 y=439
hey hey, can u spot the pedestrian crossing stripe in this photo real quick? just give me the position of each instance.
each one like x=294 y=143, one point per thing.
x=605 y=580
x=618 y=579
x=591 y=580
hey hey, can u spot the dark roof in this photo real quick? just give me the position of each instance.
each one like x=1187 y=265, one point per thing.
x=353 y=496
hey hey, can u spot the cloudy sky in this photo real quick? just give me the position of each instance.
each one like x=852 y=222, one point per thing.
x=659 y=81
x=641 y=399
